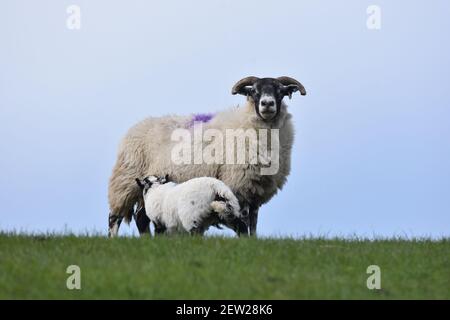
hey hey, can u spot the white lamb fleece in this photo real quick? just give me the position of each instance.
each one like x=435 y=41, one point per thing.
x=192 y=206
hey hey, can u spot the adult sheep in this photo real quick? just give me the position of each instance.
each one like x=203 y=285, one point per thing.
x=148 y=146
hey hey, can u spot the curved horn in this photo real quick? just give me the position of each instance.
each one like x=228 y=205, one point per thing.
x=248 y=81
x=288 y=80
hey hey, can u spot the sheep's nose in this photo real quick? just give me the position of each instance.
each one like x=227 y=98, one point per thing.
x=267 y=103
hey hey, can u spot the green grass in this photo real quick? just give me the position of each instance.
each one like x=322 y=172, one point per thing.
x=34 y=267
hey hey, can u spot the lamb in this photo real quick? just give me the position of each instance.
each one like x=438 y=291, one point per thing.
x=190 y=207
x=148 y=146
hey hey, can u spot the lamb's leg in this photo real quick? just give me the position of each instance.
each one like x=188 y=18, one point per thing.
x=159 y=228
x=142 y=222
x=253 y=220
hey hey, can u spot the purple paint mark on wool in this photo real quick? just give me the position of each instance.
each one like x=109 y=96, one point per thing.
x=201 y=117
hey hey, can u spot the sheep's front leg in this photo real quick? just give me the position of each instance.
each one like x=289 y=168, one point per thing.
x=240 y=226
x=142 y=221
x=253 y=220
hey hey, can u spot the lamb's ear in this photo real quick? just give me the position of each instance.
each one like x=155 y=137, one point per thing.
x=139 y=183
x=167 y=178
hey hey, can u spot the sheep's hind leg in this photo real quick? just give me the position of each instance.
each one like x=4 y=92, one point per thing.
x=114 y=222
x=142 y=222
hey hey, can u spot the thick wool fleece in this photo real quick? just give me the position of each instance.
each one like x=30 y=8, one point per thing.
x=146 y=150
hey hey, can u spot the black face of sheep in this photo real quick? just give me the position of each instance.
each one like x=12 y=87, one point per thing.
x=267 y=93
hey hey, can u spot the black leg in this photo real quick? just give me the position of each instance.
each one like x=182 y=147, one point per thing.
x=241 y=229
x=253 y=221
x=159 y=228
x=142 y=221
x=241 y=225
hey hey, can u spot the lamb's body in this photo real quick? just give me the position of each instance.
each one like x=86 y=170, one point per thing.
x=192 y=206
x=146 y=150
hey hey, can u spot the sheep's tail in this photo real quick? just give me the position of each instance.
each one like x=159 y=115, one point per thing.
x=224 y=198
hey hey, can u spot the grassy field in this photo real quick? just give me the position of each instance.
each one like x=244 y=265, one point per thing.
x=221 y=268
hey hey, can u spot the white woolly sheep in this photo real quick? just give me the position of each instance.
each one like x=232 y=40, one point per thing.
x=147 y=147
x=190 y=207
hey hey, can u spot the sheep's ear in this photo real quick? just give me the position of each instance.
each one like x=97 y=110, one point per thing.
x=245 y=91
x=288 y=82
x=139 y=183
x=166 y=177
x=289 y=90
x=244 y=86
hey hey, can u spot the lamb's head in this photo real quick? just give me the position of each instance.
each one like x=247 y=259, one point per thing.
x=268 y=93
x=230 y=214
x=151 y=182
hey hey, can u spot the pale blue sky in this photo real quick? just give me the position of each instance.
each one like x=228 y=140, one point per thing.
x=372 y=149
